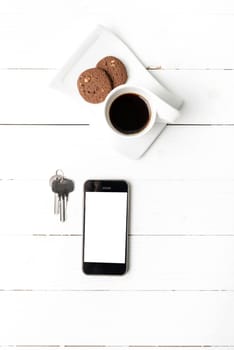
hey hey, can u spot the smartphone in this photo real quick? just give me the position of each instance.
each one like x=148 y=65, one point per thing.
x=105 y=227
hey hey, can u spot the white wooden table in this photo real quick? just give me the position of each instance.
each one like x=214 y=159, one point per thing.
x=179 y=291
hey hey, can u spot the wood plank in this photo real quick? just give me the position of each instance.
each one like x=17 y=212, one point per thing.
x=158 y=207
x=92 y=318
x=167 y=6
x=174 y=47
x=156 y=263
x=207 y=96
x=181 y=152
x=27 y=98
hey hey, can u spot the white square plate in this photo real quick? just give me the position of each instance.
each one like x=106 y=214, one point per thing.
x=102 y=42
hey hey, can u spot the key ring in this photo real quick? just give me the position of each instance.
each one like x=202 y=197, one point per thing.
x=60 y=174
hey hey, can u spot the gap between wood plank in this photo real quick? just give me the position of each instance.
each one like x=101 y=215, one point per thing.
x=150 y=68
x=31 y=124
x=120 y=346
x=87 y=124
x=131 y=235
x=188 y=69
x=229 y=291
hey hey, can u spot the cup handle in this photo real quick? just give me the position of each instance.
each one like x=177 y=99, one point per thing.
x=167 y=104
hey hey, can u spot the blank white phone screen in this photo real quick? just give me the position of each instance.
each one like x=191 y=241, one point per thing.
x=105 y=227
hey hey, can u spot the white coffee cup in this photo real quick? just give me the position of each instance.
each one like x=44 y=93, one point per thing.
x=148 y=98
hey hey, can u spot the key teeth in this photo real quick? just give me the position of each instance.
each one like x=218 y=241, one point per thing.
x=62 y=209
x=56 y=204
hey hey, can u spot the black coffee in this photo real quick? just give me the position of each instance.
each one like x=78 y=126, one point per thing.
x=129 y=113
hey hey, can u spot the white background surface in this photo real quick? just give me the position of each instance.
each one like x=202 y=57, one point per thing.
x=180 y=288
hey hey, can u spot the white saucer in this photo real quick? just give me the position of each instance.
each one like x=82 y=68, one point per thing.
x=134 y=148
x=102 y=42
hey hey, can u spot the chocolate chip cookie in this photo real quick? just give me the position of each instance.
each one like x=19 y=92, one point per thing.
x=94 y=85
x=115 y=69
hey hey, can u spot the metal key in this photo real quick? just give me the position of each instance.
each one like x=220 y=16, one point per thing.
x=58 y=176
x=62 y=187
